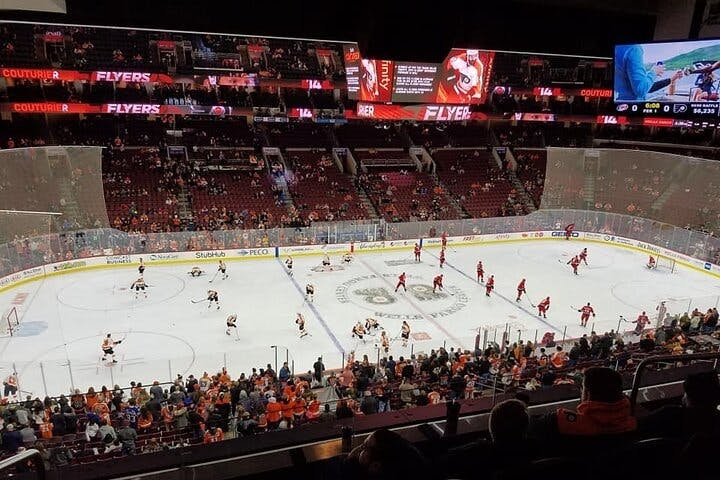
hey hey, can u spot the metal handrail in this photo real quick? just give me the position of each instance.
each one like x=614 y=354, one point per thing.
x=665 y=358
x=22 y=457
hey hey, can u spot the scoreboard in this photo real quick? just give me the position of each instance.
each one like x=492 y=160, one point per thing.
x=675 y=109
x=668 y=79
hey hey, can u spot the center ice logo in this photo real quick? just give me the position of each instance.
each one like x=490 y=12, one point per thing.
x=378 y=296
x=372 y=292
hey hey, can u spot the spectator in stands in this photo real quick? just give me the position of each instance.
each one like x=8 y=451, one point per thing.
x=11 y=439
x=318 y=369
x=698 y=413
x=91 y=430
x=385 y=455
x=127 y=436
x=509 y=423
x=156 y=391
x=509 y=445
x=369 y=404
x=343 y=410
x=107 y=432
x=284 y=372
x=327 y=415
x=28 y=435
x=603 y=411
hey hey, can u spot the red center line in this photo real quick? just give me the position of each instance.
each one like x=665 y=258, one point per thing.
x=414 y=305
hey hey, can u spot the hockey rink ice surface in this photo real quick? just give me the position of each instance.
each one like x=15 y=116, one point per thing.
x=65 y=317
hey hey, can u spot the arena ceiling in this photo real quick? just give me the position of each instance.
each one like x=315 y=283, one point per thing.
x=403 y=29
x=54 y=6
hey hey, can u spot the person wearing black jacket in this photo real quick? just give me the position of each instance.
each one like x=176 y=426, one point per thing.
x=58 y=422
x=196 y=420
x=369 y=404
x=698 y=413
x=457 y=385
x=408 y=371
x=343 y=411
x=11 y=439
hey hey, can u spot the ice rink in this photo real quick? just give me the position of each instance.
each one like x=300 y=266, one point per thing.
x=64 y=318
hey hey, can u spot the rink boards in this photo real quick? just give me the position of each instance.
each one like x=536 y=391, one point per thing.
x=108 y=261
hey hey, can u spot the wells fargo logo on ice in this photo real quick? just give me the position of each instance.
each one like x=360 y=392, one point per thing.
x=373 y=293
x=69 y=265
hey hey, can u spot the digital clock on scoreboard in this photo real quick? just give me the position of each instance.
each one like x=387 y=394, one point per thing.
x=675 y=109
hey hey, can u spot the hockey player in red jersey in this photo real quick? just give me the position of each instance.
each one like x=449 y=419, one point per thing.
x=490 y=285
x=569 y=231
x=437 y=282
x=543 y=307
x=416 y=251
x=520 y=289
x=574 y=263
x=443 y=240
x=583 y=256
x=442 y=257
x=480 y=272
x=462 y=78
x=651 y=262
x=585 y=313
x=641 y=321
x=401 y=282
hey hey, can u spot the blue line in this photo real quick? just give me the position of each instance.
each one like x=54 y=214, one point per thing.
x=315 y=311
x=514 y=304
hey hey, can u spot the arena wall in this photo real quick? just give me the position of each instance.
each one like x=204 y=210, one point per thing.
x=205 y=256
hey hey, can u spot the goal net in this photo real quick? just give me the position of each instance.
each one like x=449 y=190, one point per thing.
x=665 y=264
x=10 y=322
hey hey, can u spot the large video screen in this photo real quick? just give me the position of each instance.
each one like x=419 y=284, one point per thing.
x=351 y=56
x=670 y=78
x=461 y=78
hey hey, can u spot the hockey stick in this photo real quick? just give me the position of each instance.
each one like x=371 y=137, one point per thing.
x=125 y=336
x=198 y=301
x=214 y=276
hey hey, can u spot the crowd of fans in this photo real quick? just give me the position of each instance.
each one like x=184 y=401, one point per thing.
x=333 y=201
x=531 y=172
x=109 y=422
x=400 y=201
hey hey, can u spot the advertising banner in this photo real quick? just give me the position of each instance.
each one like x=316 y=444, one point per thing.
x=123 y=108
x=429 y=113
